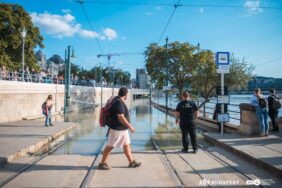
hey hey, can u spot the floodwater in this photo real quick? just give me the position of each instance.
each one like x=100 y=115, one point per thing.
x=233 y=107
x=148 y=121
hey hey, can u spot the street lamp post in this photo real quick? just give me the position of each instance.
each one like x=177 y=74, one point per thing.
x=68 y=58
x=166 y=81
x=101 y=82
x=23 y=34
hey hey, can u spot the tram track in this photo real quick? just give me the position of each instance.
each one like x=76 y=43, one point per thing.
x=91 y=171
x=237 y=171
x=33 y=163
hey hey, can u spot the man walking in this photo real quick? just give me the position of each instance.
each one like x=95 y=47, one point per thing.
x=186 y=113
x=273 y=110
x=118 y=131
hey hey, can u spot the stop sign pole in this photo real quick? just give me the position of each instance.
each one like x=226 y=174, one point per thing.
x=223 y=65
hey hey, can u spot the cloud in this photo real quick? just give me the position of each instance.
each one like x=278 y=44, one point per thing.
x=253 y=6
x=66 y=11
x=110 y=34
x=149 y=13
x=123 y=38
x=61 y=26
x=201 y=10
x=88 y=34
x=56 y=25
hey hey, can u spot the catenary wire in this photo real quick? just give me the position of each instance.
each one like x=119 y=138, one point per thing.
x=169 y=20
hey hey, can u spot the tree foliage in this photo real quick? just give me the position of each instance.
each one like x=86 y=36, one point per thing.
x=189 y=66
x=12 y=19
x=179 y=63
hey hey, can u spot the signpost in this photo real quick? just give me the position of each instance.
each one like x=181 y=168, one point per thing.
x=222 y=62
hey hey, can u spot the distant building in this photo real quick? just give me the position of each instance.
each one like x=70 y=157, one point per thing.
x=54 y=65
x=141 y=79
x=41 y=59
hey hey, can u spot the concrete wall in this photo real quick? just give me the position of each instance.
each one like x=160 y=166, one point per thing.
x=20 y=100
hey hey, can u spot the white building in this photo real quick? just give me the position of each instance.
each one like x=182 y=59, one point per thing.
x=142 y=79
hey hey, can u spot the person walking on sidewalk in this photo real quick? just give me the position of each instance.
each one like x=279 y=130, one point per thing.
x=118 y=131
x=260 y=104
x=186 y=113
x=47 y=108
x=273 y=109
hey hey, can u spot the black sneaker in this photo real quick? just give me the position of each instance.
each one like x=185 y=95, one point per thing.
x=195 y=151
x=184 y=151
x=51 y=124
x=134 y=164
x=103 y=166
x=46 y=125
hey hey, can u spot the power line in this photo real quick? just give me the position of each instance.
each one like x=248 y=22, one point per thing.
x=169 y=4
x=171 y=15
x=270 y=61
x=90 y=24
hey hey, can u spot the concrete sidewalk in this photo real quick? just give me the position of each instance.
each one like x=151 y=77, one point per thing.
x=20 y=138
x=265 y=152
x=207 y=168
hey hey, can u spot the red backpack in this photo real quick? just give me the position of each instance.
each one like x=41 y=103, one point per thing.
x=105 y=112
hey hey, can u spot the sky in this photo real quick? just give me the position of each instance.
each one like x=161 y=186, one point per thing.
x=250 y=29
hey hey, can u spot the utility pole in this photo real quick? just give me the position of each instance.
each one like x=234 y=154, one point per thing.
x=67 y=76
x=198 y=102
x=101 y=82
x=111 y=77
x=166 y=81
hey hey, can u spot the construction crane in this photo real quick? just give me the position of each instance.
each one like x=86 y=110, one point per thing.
x=109 y=56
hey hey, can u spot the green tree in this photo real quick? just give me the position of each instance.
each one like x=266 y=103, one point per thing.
x=205 y=78
x=12 y=19
x=179 y=61
x=188 y=66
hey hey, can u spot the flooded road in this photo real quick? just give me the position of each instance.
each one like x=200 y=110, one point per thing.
x=148 y=121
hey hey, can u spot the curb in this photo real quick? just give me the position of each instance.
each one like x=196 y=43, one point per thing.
x=260 y=163
x=35 y=147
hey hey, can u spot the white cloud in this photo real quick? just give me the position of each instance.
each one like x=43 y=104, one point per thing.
x=61 y=26
x=201 y=10
x=149 y=13
x=253 y=6
x=88 y=34
x=110 y=34
x=66 y=11
x=56 y=25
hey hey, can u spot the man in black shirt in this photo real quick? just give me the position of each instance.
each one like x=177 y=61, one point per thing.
x=273 y=113
x=186 y=113
x=118 y=131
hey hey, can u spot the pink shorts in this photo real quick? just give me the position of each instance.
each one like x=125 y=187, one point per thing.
x=118 y=138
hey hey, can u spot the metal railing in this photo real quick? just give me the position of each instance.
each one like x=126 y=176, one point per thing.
x=48 y=79
x=207 y=110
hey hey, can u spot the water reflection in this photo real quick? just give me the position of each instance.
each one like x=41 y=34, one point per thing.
x=148 y=121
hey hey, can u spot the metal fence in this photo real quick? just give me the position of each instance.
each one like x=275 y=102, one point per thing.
x=207 y=110
x=48 y=79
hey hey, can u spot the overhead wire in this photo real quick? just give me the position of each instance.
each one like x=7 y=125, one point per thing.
x=170 y=4
x=169 y=20
x=90 y=24
x=270 y=61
